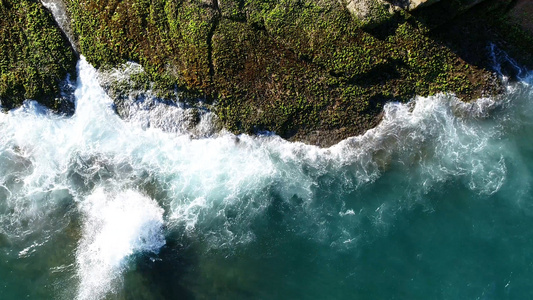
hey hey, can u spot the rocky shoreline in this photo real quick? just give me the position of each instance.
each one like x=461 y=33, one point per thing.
x=311 y=71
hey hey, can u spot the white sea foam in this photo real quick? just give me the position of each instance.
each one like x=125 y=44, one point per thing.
x=221 y=189
x=116 y=225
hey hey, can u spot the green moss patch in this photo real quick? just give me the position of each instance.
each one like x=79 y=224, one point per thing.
x=34 y=55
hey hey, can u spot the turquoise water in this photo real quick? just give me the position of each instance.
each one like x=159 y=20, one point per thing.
x=434 y=203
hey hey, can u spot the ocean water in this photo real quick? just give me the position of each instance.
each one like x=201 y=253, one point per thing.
x=434 y=203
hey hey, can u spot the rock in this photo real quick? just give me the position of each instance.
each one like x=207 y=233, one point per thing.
x=370 y=12
x=436 y=13
x=522 y=15
x=35 y=56
x=411 y=4
x=313 y=71
x=59 y=11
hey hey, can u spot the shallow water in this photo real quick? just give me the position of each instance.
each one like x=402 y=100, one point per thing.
x=434 y=203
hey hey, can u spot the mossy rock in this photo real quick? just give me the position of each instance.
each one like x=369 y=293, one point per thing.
x=168 y=37
x=307 y=70
x=34 y=55
x=487 y=24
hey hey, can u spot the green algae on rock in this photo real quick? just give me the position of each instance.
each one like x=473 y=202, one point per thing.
x=34 y=55
x=307 y=70
x=312 y=71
